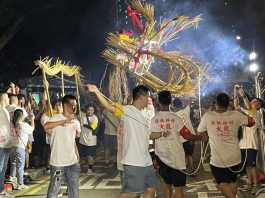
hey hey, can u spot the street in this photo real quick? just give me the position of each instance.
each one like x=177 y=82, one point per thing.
x=106 y=183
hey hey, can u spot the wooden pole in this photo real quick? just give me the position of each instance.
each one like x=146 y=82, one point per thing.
x=78 y=98
x=62 y=79
x=47 y=93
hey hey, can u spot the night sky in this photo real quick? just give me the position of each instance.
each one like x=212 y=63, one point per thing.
x=75 y=31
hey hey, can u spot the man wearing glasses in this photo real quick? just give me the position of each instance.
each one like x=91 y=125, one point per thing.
x=64 y=160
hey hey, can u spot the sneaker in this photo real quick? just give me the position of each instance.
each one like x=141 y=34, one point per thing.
x=89 y=171
x=21 y=186
x=246 y=188
x=254 y=189
x=26 y=173
x=12 y=179
x=5 y=193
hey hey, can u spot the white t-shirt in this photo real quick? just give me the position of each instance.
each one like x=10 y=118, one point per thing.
x=111 y=123
x=169 y=149
x=250 y=134
x=86 y=133
x=44 y=118
x=63 y=148
x=135 y=138
x=11 y=108
x=20 y=136
x=5 y=133
x=185 y=115
x=222 y=129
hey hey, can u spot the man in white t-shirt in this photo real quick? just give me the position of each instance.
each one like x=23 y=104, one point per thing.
x=222 y=127
x=139 y=173
x=188 y=145
x=249 y=141
x=169 y=150
x=64 y=158
x=5 y=140
x=88 y=138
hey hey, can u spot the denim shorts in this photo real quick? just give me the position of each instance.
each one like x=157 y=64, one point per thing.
x=137 y=179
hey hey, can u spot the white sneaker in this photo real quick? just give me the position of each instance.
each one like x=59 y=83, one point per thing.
x=12 y=179
x=26 y=173
x=22 y=186
x=5 y=193
x=89 y=171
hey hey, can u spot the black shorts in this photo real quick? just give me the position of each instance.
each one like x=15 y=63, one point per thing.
x=251 y=157
x=170 y=175
x=87 y=150
x=225 y=175
x=188 y=147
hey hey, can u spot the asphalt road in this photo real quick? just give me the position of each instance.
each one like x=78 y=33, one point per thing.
x=105 y=182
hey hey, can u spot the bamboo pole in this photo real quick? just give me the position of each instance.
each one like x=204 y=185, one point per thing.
x=47 y=93
x=62 y=80
x=78 y=97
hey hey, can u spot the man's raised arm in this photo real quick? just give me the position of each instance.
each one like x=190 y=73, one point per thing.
x=107 y=105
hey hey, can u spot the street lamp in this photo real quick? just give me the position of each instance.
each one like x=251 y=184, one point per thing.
x=253 y=67
x=252 y=56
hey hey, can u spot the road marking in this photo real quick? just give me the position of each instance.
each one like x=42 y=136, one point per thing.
x=88 y=181
x=44 y=185
x=202 y=195
x=104 y=183
x=196 y=186
x=205 y=194
x=22 y=192
x=211 y=186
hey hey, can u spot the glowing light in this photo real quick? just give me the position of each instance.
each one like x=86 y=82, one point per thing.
x=238 y=37
x=252 y=56
x=253 y=67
